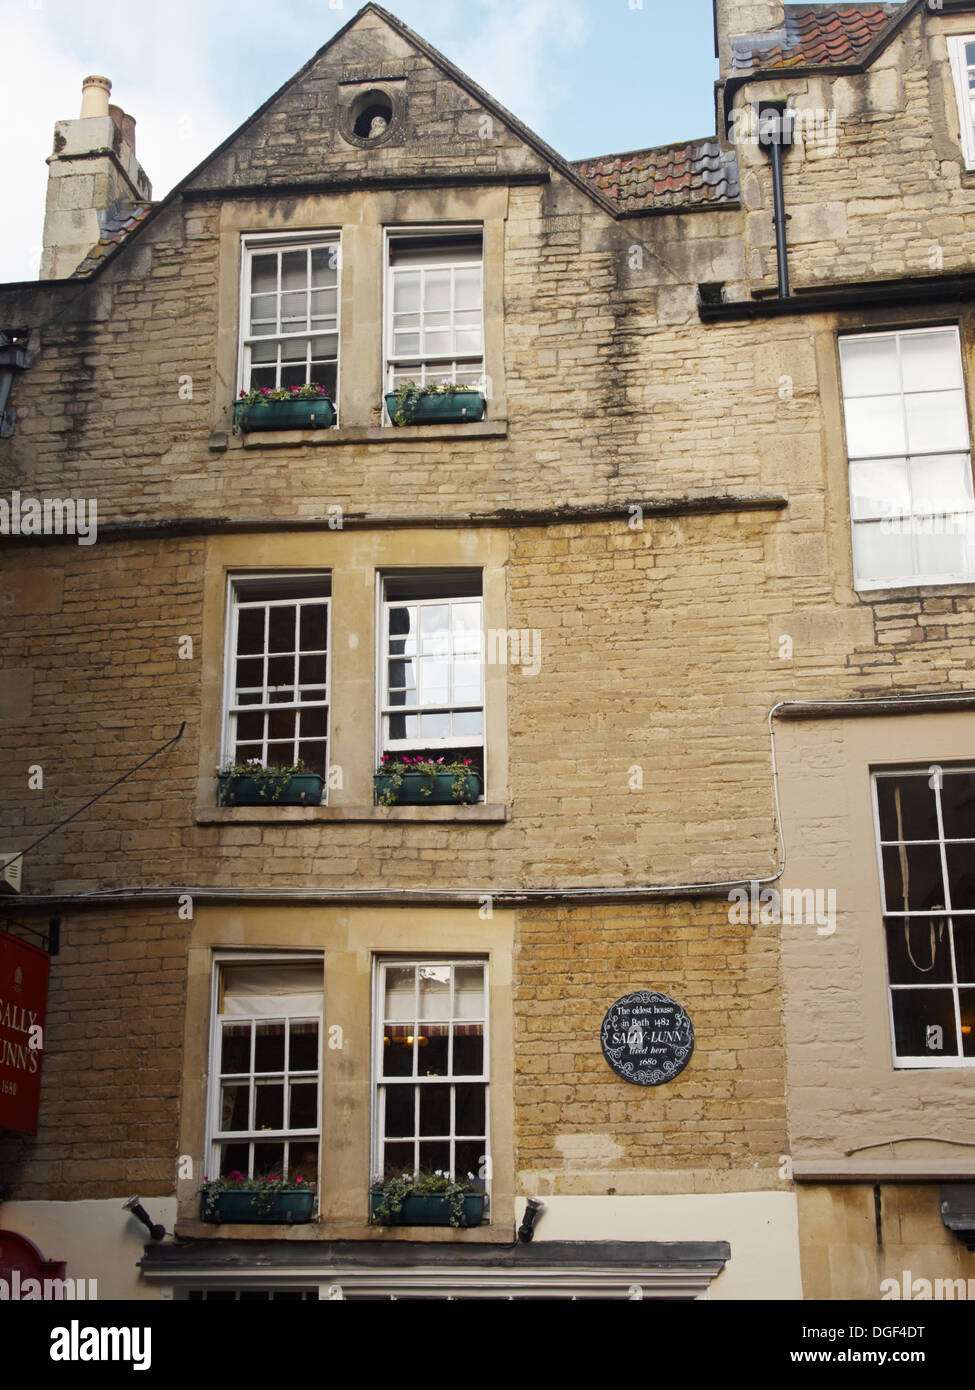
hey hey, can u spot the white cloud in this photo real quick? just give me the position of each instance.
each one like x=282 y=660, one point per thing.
x=190 y=71
x=517 y=50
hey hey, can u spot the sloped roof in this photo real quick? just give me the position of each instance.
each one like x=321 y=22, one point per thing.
x=813 y=36
x=692 y=172
x=116 y=224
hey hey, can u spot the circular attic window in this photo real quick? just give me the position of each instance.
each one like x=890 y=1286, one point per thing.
x=371 y=117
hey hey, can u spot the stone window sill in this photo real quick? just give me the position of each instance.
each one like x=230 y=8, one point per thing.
x=279 y=439
x=265 y=815
x=192 y=1228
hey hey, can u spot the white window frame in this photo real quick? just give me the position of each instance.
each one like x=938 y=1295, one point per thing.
x=230 y=709
x=385 y=710
x=214 y=1135
x=256 y=243
x=913 y=523
x=379 y=1082
x=436 y=367
x=964 y=94
x=915 y=1062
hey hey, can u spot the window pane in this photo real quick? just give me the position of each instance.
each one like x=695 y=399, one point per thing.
x=281 y=725
x=398 y=1158
x=468 y=724
x=234 y=1158
x=467 y=340
x=966 y=1002
x=250 y=674
x=924 y=1023
x=964 y=934
x=931 y=361
x=435 y=1156
x=918 y=950
x=402 y=675
x=406 y=291
x=269 y=1105
x=250 y=727
x=434 y=991
x=436 y=290
x=315 y=627
x=880 y=553
x=313 y=724
x=936 y=420
x=880 y=488
x=268 y=1159
x=869 y=366
x=250 y=631
x=264 y=274
x=294 y=311
x=400 y=1104
x=398 y=1047
x=234 y=1102
x=907 y=808
x=304 y=1046
x=235 y=1052
x=961 y=876
x=467 y=677
x=469 y=1049
x=944 y=547
x=324 y=304
x=403 y=726
x=435 y=1110
x=467 y=289
x=470 y=1111
x=958 y=805
x=312 y=670
x=435 y=726
x=304 y=1105
x=324 y=346
x=469 y=991
x=466 y=618
x=912 y=878
x=399 y=992
x=294 y=270
x=942 y=483
x=295 y=350
x=433 y=681
x=469 y=1160
x=432 y=1054
x=281 y=629
x=281 y=671
x=269 y=1047
x=875 y=425
x=325 y=265
x=433 y=630
x=314 y=756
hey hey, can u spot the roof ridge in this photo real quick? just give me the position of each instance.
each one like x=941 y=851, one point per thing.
x=645 y=149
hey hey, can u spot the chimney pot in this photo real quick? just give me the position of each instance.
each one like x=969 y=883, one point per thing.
x=94 y=96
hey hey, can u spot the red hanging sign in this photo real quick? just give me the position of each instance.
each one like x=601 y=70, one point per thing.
x=23 y=1008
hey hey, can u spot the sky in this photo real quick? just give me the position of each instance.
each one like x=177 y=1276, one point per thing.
x=589 y=76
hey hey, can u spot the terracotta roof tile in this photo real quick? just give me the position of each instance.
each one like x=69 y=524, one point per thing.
x=813 y=35
x=696 y=171
x=116 y=224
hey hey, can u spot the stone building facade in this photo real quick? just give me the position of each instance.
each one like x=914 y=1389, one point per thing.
x=716 y=526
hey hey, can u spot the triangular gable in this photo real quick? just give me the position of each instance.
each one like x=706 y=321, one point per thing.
x=353 y=52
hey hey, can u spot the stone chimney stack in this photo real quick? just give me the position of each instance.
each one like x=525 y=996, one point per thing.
x=92 y=174
x=736 y=18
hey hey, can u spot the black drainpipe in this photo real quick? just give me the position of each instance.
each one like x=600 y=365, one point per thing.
x=14 y=357
x=775 y=125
